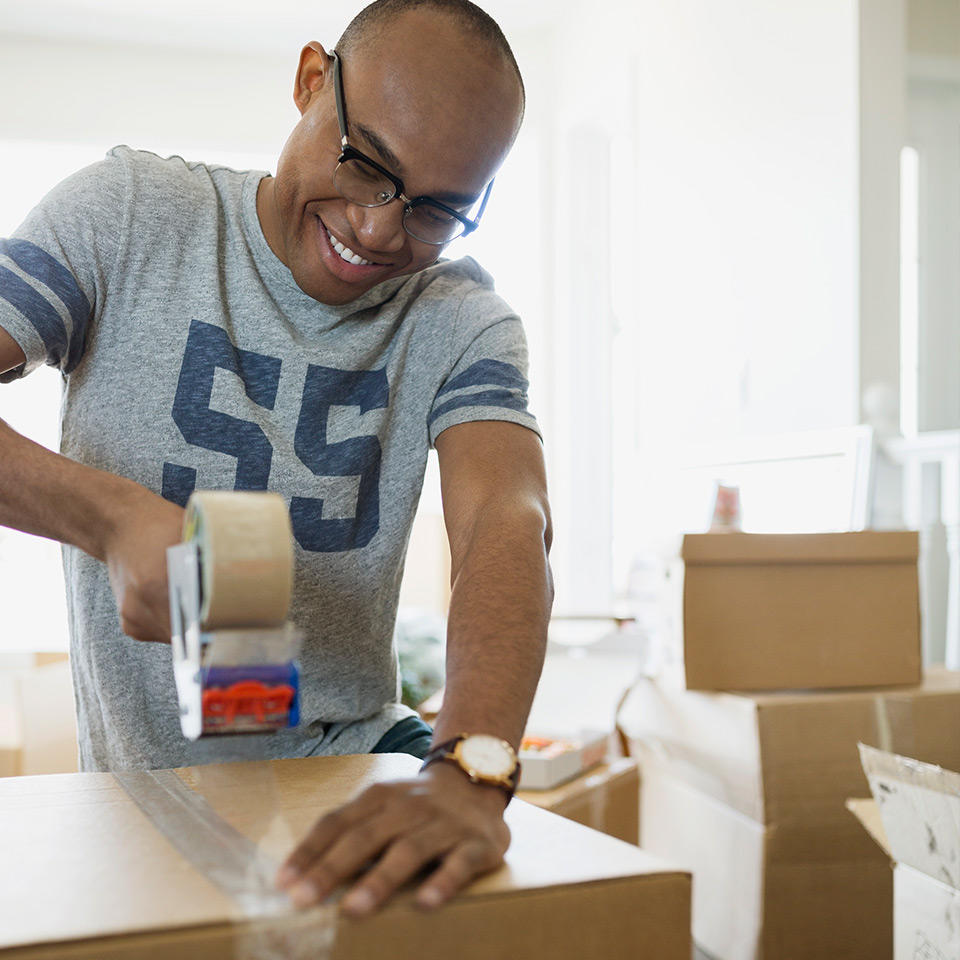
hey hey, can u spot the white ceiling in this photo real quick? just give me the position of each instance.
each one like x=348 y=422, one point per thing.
x=249 y=25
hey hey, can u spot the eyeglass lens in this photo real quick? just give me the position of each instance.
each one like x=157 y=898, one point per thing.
x=365 y=186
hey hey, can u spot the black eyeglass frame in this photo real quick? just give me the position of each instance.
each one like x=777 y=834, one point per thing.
x=349 y=152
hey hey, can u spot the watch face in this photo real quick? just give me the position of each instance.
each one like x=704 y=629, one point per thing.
x=488 y=756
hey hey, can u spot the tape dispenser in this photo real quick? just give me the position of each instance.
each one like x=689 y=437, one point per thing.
x=234 y=653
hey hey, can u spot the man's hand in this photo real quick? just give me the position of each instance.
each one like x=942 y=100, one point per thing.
x=391 y=832
x=136 y=556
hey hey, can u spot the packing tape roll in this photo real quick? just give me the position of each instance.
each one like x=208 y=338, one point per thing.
x=246 y=557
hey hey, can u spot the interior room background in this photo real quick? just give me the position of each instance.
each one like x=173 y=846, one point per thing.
x=723 y=219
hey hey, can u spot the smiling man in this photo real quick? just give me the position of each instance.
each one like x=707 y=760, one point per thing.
x=234 y=330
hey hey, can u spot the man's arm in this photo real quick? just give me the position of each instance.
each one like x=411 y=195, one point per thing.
x=498 y=523
x=109 y=517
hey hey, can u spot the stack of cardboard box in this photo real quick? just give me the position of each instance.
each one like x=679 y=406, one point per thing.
x=748 y=788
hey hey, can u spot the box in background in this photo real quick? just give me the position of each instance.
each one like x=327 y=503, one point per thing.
x=754 y=895
x=38 y=724
x=565 y=892
x=801 y=611
x=748 y=791
x=915 y=818
x=606 y=798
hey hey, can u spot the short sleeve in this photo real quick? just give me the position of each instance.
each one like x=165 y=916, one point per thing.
x=488 y=380
x=55 y=268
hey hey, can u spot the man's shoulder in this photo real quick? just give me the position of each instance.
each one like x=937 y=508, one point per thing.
x=450 y=284
x=149 y=173
x=462 y=275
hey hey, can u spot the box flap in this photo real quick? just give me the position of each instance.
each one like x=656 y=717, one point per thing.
x=920 y=807
x=869 y=546
x=867 y=812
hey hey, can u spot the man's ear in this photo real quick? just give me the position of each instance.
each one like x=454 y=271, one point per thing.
x=311 y=75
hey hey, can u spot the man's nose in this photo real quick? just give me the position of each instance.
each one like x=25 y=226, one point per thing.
x=379 y=229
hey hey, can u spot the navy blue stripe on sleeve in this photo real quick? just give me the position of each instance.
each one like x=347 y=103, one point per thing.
x=42 y=266
x=486 y=398
x=485 y=372
x=47 y=322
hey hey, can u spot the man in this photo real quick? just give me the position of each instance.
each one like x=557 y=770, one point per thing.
x=295 y=333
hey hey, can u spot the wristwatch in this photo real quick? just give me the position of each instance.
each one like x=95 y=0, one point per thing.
x=483 y=758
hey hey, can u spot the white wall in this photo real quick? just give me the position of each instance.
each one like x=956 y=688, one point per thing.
x=713 y=162
x=745 y=268
x=747 y=223
x=149 y=97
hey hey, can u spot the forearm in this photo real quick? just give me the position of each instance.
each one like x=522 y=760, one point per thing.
x=49 y=495
x=497 y=630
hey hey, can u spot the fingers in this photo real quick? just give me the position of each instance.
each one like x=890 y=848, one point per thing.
x=144 y=610
x=405 y=856
x=403 y=859
x=343 y=859
x=464 y=863
x=142 y=623
x=390 y=833
x=338 y=826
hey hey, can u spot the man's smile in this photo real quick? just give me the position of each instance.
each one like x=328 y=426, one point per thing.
x=342 y=261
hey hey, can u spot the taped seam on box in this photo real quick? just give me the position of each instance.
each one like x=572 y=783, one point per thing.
x=220 y=853
x=234 y=864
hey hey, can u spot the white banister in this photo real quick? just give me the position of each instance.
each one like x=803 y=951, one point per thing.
x=930 y=463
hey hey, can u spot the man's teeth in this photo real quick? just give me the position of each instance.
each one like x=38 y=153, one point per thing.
x=346 y=253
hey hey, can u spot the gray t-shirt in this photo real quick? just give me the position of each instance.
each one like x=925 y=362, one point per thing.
x=191 y=359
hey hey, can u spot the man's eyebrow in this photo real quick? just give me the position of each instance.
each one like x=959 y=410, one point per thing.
x=374 y=140
x=393 y=161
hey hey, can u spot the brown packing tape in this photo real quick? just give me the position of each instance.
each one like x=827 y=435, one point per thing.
x=246 y=557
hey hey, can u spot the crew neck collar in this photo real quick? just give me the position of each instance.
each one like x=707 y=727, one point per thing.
x=277 y=272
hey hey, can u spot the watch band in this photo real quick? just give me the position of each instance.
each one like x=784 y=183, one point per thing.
x=445 y=752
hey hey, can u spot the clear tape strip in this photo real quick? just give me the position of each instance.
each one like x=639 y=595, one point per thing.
x=884 y=730
x=271 y=929
x=222 y=854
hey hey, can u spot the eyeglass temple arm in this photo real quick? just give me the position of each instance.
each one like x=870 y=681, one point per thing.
x=483 y=204
x=338 y=88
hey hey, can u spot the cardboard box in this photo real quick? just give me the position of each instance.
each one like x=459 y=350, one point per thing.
x=915 y=818
x=788 y=758
x=95 y=880
x=801 y=611
x=606 y=798
x=755 y=895
x=748 y=791
x=38 y=723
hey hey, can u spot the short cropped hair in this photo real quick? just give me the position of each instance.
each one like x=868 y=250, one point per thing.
x=372 y=20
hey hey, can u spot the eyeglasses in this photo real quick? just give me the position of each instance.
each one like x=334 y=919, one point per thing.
x=366 y=183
